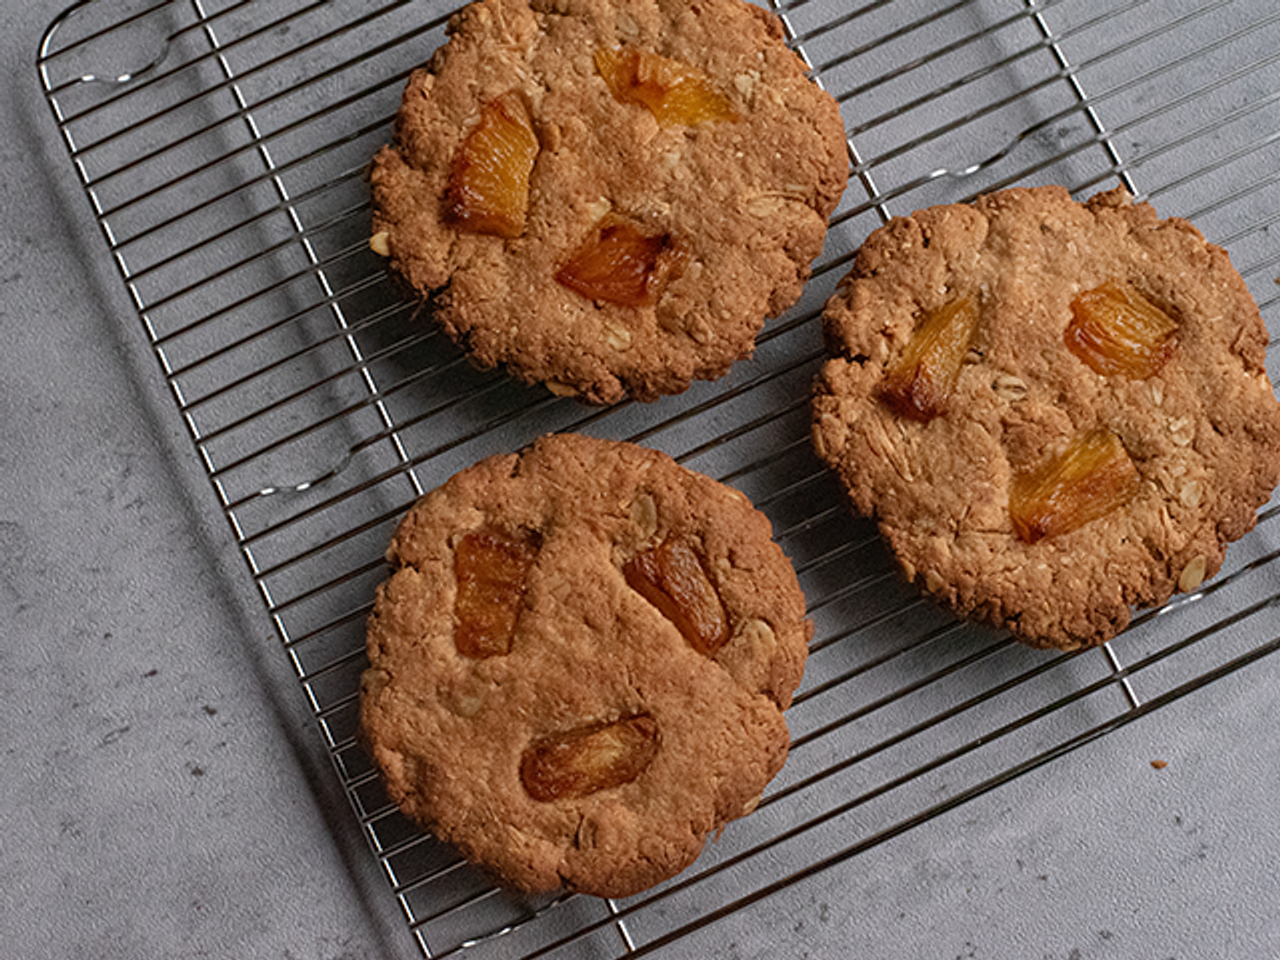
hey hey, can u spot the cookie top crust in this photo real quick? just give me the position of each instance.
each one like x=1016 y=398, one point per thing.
x=592 y=745
x=735 y=183
x=1181 y=433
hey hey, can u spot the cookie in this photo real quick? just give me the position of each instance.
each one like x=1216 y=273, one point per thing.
x=579 y=665
x=609 y=196
x=1055 y=411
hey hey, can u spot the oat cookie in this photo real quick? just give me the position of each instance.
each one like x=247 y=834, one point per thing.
x=579 y=666
x=1055 y=411
x=609 y=196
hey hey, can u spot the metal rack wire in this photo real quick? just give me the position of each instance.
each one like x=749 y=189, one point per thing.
x=222 y=145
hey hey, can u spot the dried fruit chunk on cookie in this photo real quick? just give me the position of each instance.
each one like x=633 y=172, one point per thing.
x=920 y=383
x=621 y=262
x=602 y=749
x=697 y=122
x=489 y=185
x=566 y=766
x=491 y=573
x=674 y=92
x=1092 y=477
x=1055 y=495
x=1116 y=330
x=672 y=577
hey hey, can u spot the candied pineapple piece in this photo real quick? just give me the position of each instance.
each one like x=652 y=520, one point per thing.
x=1119 y=332
x=1091 y=478
x=671 y=577
x=569 y=765
x=491 y=572
x=920 y=382
x=674 y=92
x=489 y=183
x=622 y=263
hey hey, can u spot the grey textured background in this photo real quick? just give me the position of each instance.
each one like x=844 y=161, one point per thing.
x=165 y=793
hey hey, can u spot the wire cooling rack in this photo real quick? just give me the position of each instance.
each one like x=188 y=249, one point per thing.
x=223 y=146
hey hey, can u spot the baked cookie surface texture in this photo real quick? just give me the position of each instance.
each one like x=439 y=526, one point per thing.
x=579 y=665
x=609 y=196
x=1055 y=411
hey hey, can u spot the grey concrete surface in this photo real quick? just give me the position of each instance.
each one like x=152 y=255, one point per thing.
x=165 y=793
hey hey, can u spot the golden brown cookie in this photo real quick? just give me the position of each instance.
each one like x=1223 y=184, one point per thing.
x=579 y=666
x=609 y=196
x=1055 y=411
